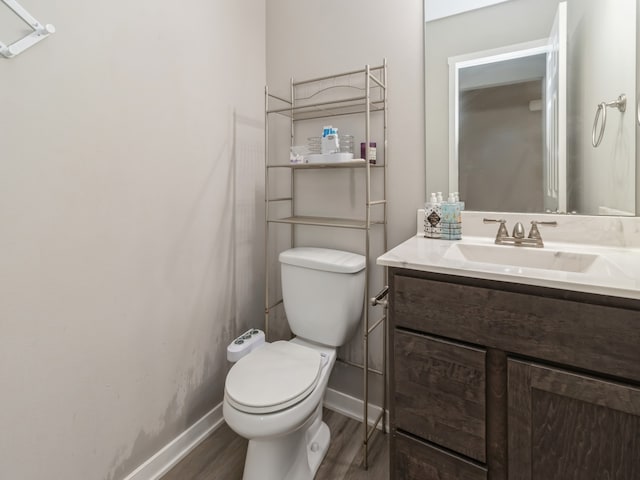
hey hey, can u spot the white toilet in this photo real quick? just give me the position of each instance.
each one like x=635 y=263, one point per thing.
x=273 y=396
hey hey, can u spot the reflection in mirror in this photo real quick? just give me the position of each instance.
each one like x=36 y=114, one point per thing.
x=521 y=120
x=501 y=95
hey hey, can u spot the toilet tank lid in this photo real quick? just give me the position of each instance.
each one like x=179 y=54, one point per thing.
x=323 y=259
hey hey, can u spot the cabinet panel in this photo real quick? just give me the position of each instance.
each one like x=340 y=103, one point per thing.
x=415 y=460
x=440 y=392
x=562 y=331
x=565 y=426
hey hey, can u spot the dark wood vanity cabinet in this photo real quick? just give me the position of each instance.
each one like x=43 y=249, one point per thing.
x=493 y=380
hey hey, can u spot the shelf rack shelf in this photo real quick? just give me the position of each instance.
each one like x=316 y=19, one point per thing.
x=356 y=163
x=360 y=92
x=351 y=106
x=327 y=222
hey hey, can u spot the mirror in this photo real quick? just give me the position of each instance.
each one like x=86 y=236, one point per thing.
x=511 y=104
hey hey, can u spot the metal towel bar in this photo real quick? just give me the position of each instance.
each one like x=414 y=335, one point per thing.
x=378 y=299
x=620 y=104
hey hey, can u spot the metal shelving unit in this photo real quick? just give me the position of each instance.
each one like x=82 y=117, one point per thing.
x=307 y=101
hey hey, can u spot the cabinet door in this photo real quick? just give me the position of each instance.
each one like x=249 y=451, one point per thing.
x=416 y=460
x=565 y=426
x=439 y=392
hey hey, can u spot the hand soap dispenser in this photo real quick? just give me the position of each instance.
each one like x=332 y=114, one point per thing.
x=432 y=218
x=451 y=219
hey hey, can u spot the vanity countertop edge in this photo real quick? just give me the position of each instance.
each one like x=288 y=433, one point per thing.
x=432 y=255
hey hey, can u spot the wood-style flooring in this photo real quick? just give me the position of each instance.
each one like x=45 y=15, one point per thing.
x=221 y=456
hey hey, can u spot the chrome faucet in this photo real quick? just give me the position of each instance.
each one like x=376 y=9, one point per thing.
x=518 y=230
x=534 y=239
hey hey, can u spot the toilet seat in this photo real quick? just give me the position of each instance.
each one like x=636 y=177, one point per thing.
x=273 y=377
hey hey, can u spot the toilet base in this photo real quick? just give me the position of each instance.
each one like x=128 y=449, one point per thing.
x=317 y=447
x=295 y=456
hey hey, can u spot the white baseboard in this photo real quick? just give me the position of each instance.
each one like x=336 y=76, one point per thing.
x=179 y=447
x=352 y=407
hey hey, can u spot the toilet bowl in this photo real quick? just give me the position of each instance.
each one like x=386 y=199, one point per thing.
x=274 y=394
x=287 y=438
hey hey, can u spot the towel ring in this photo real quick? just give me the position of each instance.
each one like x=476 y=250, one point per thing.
x=620 y=104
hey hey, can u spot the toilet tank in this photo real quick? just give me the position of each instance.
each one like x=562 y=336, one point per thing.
x=323 y=293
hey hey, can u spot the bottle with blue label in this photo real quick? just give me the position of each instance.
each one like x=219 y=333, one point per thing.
x=330 y=142
x=451 y=219
x=451 y=224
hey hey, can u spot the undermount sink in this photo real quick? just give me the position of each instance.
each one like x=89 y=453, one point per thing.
x=547 y=259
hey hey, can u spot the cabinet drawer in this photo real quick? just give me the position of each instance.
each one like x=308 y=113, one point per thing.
x=440 y=392
x=415 y=460
x=562 y=331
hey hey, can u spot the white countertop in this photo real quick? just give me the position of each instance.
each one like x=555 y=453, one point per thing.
x=617 y=272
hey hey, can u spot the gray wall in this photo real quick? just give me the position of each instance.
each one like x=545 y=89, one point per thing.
x=131 y=212
x=507 y=23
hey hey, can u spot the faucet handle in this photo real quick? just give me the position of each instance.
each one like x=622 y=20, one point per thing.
x=502 y=229
x=535 y=233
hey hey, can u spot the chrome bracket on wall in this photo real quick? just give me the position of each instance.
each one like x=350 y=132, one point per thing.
x=39 y=33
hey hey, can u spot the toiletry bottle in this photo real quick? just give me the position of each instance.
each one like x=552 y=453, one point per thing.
x=330 y=140
x=432 y=218
x=457 y=196
x=447 y=218
x=372 y=152
x=461 y=205
x=428 y=208
x=451 y=225
x=426 y=224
